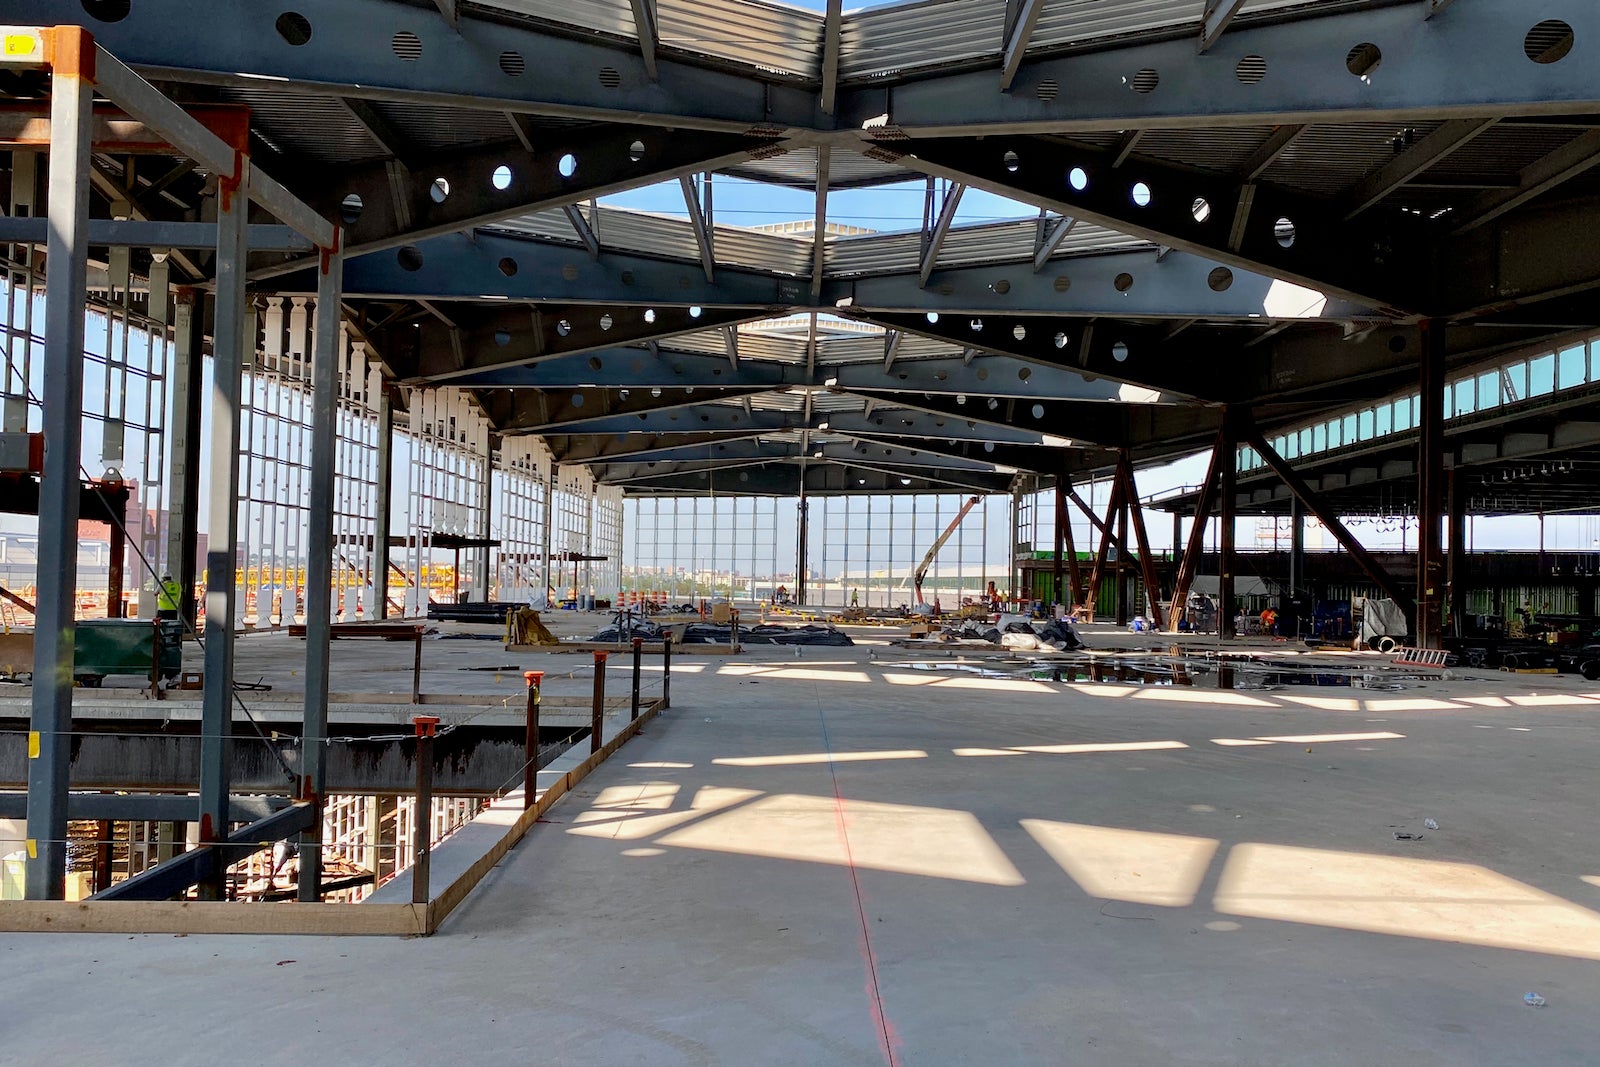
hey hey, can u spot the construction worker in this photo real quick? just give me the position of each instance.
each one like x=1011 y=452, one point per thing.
x=855 y=599
x=169 y=594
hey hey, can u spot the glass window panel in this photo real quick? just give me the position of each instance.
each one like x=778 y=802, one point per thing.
x=1572 y=367
x=1385 y=419
x=1542 y=374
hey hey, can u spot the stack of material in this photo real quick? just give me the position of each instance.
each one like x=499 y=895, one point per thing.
x=524 y=628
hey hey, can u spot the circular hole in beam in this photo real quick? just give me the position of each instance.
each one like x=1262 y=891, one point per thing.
x=512 y=65
x=1251 y=70
x=567 y=165
x=1220 y=279
x=1200 y=209
x=1012 y=162
x=1078 y=178
x=1549 y=42
x=1141 y=194
x=350 y=208
x=1284 y=231
x=1123 y=282
x=1145 y=81
x=501 y=178
x=636 y=151
x=406 y=45
x=107 y=10
x=508 y=266
x=1119 y=352
x=293 y=27
x=1060 y=340
x=1363 y=60
x=409 y=258
x=439 y=191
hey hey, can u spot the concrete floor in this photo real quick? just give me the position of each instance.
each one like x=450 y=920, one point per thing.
x=987 y=870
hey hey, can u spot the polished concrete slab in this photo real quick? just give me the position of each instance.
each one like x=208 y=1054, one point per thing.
x=849 y=857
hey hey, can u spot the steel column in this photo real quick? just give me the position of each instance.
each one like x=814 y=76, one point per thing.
x=325 y=357
x=1147 y=563
x=1430 y=487
x=1058 y=593
x=1190 y=564
x=1092 y=598
x=66 y=270
x=1456 y=553
x=381 y=524
x=803 y=554
x=229 y=356
x=184 y=426
x=1122 y=550
x=1228 y=492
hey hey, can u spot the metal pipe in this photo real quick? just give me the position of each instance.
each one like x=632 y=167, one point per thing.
x=666 y=670
x=55 y=623
x=638 y=656
x=530 y=771
x=416 y=669
x=422 y=818
x=597 y=714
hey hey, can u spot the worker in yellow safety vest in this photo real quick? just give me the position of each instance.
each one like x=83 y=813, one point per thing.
x=169 y=594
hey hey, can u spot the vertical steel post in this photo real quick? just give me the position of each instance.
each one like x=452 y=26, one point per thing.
x=1430 y=486
x=1228 y=490
x=1456 y=552
x=803 y=550
x=638 y=657
x=230 y=354
x=55 y=622
x=325 y=359
x=666 y=670
x=381 y=521
x=422 y=818
x=1058 y=572
x=416 y=669
x=1123 y=573
x=188 y=383
x=117 y=556
x=530 y=772
x=598 y=713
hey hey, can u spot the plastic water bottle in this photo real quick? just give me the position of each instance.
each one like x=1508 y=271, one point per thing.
x=1533 y=1000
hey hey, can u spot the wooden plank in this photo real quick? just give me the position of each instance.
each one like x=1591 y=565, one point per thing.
x=209 y=917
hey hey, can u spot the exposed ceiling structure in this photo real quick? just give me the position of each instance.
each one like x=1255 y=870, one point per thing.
x=1238 y=203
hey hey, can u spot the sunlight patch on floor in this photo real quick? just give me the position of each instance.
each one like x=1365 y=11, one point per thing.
x=802 y=758
x=625 y=826
x=1405 y=897
x=1186 y=695
x=900 y=838
x=1133 y=865
x=1326 y=739
x=1325 y=703
x=1102 y=746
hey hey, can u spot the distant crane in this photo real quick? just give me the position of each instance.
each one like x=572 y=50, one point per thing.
x=927 y=561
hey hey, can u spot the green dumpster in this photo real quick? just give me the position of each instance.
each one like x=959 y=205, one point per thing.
x=127 y=646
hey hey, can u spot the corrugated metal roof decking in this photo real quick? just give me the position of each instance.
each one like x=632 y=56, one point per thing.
x=670 y=238
x=998 y=242
x=775 y=38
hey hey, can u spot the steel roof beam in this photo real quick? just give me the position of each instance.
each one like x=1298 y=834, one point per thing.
x=1537 y=178
x=827 y=98
x=564 y=412
x=1021 y=17
x=644 y=27
x=581 y=227
x=378 y=128
x=819 y=231
x=497 y=266
x=1308 y=77
x=636 y=368
x=483 y=186
x=489 y=63
x=591 y=449
x=989 y=375
x=1078 y=422
x=700 y=219
x=497 y=338
x=1077 y=345
x=1215 y=21
x=1136 y=284
x=1038 y=458
x=1413 y=161
x=817 y=478
x=1381 y=261
x=1280 y=141
x=933 y=240
x=1052 y=240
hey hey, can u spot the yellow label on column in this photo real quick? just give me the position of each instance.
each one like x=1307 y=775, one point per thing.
x=33 y=849
x=33 y=744
x=21 y=44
